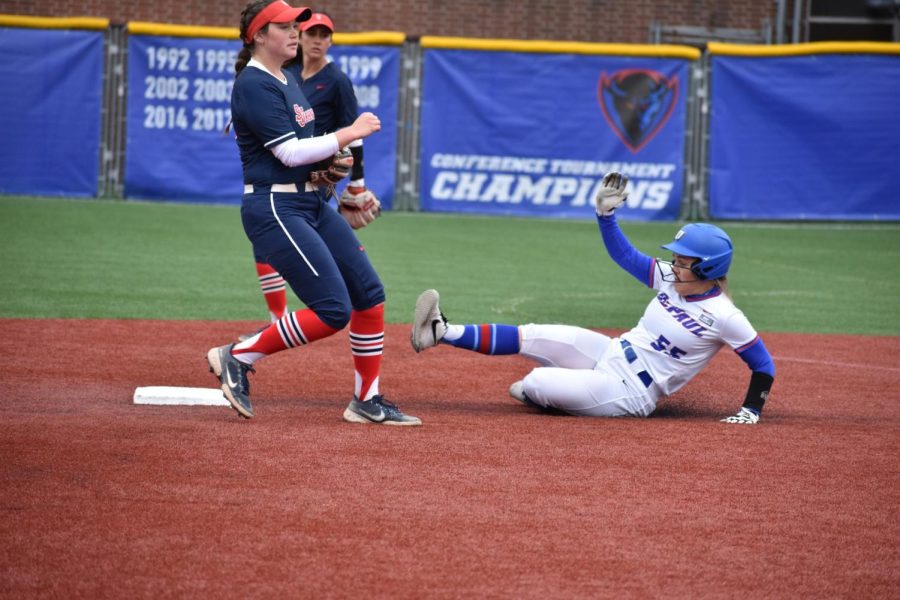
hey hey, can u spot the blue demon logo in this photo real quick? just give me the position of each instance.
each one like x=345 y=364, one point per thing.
x=637 y=103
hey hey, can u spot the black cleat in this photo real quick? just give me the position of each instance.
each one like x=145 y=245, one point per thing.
x=379 y=411
x=232 y=374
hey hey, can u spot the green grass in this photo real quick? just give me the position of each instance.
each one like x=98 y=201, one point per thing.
x=113 y=259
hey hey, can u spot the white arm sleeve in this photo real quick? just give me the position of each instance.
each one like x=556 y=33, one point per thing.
x=296 y=152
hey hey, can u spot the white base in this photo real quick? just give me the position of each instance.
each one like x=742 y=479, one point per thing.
x=179 y=396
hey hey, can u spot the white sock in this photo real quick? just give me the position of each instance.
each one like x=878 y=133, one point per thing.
x=454 y=332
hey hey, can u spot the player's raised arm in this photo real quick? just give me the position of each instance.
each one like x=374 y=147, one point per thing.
x=306 y=151
x=612 y=195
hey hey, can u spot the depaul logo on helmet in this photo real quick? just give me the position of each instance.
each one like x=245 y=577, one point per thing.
x=706 y=242
x=637 y=103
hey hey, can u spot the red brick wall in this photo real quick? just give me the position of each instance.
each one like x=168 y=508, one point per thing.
x=624 y=21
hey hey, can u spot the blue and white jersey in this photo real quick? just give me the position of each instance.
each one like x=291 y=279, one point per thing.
x=677 y=336
x=267 y=112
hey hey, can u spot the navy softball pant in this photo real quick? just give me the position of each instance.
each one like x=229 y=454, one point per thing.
x=314 y=250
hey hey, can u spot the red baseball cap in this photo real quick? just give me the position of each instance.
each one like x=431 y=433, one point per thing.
x=318 y=19
x=277 y=12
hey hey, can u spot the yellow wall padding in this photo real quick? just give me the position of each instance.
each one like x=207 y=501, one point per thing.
x=193 y=31
x=550 y=47
x=373 y=38
x=804 y=49
x=53 y=23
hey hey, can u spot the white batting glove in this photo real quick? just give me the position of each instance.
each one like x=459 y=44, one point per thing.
x=359 y=206
x=745 y=416
x=612 y=193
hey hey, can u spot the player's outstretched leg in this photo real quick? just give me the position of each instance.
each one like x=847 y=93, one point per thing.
x=430 y=327
x=429 y=324
x=232 y=362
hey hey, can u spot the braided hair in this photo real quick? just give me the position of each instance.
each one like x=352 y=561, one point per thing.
x=247 y=15
x=244 y=56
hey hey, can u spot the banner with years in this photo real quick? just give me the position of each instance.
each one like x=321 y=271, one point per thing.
x=375 y=73
x=51 y=82
x=533 y=134
x=179 y=98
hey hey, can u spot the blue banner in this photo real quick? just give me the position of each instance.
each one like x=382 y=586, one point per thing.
x=51 y=82
x=179 y=98
x=805 y=137
x=533 y=134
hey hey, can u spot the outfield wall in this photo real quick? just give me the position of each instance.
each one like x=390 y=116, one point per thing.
x=480 y=126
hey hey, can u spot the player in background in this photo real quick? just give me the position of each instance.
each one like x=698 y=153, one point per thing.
x=288 y=220
x=587 y=373
x=330 y=93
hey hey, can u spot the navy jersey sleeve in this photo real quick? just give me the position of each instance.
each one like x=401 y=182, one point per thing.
x=266 y=113
x=638 y=264
x=263 y=111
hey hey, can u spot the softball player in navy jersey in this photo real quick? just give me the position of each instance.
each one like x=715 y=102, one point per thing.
x=290 y=224
x=587 y=373
x=330 y=94
x=326 y=87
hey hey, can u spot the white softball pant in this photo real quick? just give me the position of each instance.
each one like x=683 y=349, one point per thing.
x=583 y=372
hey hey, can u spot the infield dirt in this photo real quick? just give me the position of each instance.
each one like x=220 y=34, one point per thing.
x=103 y=498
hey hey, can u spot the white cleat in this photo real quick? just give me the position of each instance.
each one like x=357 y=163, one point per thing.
x=517 y=391
x=429 y=324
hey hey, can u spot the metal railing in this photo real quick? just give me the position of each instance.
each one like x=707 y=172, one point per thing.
x=112 y=141
x=406 y=188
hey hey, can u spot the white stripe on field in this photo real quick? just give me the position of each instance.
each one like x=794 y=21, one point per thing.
x=832 y=363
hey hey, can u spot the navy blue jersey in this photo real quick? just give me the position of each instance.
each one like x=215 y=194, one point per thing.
x=331 y=94
x=266 y=113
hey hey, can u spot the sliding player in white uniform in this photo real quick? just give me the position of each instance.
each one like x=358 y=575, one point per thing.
x=587 y=373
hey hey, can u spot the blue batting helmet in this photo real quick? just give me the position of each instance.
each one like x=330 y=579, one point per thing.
x=708 y=243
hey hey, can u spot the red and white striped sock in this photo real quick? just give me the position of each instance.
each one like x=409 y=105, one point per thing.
x=367 y=345
x=297 y=328
x=272 y=285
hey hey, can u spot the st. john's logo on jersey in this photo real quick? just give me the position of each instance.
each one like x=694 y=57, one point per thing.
x=637 y=103
x=303 y=116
